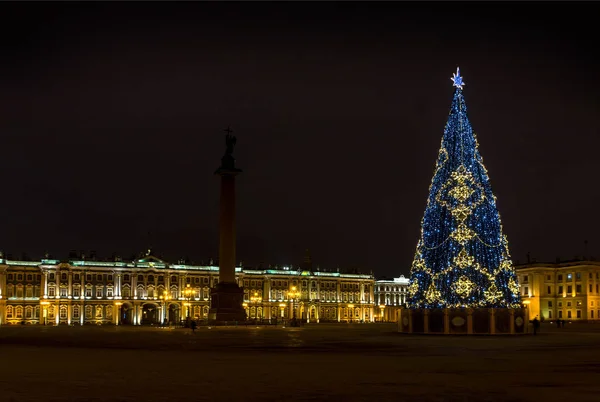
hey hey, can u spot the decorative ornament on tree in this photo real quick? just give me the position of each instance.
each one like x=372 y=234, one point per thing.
x=457 y=79
x=462 y=258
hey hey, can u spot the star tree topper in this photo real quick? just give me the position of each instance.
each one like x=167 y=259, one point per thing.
x=457 y=79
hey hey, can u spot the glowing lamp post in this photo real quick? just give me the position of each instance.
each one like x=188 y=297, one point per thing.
x=164 y=299
x=255 y=299
x=188 y=292
x=245 y=307
x=294 y=294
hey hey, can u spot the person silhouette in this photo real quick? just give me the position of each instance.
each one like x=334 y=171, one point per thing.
x=536 y=325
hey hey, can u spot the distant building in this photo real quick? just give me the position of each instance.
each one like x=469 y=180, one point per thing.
x=152 y=291
x=568 y=290
x=390 y=295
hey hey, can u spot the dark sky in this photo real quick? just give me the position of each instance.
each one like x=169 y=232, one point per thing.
x=112 y=119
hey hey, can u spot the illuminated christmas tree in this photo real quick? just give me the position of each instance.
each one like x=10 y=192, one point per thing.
x=462 y=257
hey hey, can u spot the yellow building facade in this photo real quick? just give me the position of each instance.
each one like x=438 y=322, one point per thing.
x=152 y=291
x=568 y=291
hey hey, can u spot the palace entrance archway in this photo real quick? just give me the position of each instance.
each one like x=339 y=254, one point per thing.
x=150 y=314
x=126 y=312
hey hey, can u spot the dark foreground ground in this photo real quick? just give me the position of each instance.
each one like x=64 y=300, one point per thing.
x=368 y=362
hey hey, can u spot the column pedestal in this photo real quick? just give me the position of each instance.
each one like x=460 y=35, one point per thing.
x=226 y=303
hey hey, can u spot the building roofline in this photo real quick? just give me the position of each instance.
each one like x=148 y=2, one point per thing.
x=562 y=264
x=81 y=264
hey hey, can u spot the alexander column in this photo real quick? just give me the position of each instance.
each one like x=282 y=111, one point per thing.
x=227 y=296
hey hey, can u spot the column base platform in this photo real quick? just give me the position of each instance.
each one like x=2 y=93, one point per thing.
x=226 y=304
x=464 y=321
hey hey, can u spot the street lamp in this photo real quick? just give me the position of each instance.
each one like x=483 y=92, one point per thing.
x=45 y=310
x=245 y=306
x=188 y=292
x=255 y=299
x=351 y=308
x=164 y=299
x=293 y=295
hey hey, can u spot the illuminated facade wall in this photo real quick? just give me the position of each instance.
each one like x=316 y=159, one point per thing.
x=390 y=295
x=569 y=291
x=151 y=291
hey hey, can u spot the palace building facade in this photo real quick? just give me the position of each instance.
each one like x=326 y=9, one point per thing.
x=568 y=290
x=152 y=291
x=390 y=295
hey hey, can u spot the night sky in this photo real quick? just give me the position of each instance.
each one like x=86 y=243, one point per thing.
x=112 y=119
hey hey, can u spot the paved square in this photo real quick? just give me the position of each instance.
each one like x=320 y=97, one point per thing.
x=316 y=362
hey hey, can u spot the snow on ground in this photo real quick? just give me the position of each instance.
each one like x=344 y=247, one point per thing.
x=368 y=362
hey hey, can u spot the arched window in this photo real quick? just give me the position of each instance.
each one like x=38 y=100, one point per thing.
x=126 y=291
x=98 y=311
x=63 y=312
x=9 y=311
x=19 y=312
x=50 y=311
x=140 y=291
x=88 y=311
x=29 y=312
x=76 y=311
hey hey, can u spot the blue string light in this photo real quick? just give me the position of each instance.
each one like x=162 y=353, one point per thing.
x=462 y=258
